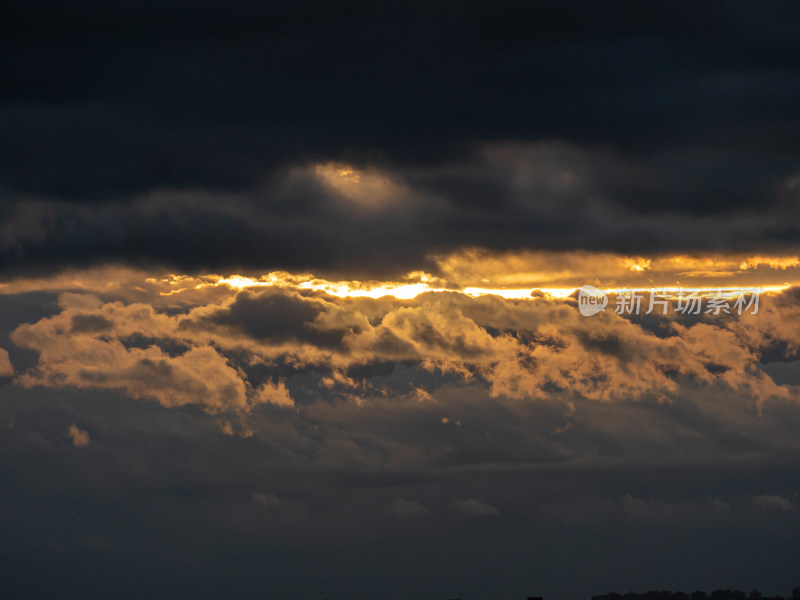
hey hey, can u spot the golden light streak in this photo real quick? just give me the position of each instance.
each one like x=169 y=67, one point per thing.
x=771 y=261
x=408 y=291
x=481 y=268
x=474 y=272
x=518 y=294
x=674 y=292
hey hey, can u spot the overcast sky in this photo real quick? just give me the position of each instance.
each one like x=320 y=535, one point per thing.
x=286 y=309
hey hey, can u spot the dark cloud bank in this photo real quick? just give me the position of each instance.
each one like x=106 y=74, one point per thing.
x=173 y=132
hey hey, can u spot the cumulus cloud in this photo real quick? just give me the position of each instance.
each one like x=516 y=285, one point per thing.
x=274 y=393
x=80 y=437
x=6 y=368
x=97 y=348
x=211 y=351
x=200 y=376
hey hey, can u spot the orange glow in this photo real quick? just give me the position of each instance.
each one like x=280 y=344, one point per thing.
x=637 y=264
x=366 y=190
x=527 y=275
x=771 y=261
x=408 y=291
x=473 y=272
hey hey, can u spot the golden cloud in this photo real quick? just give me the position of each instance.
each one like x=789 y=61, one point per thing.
x=521 y=349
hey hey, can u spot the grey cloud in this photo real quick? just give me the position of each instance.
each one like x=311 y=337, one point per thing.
x=273 y=316
x=408 y=508
x=475 y=508
x=540 y=195
x=771 y=502
x=265 y=499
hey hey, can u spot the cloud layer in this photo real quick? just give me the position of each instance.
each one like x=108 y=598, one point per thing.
x=275 y=422
x=231 y=350
x=174 y=141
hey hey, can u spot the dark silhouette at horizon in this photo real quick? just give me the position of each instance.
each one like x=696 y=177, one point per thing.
x=718 y=594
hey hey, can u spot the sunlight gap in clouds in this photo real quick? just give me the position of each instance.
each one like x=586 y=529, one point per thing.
x=523 y=275
x=472 y=272
x=412 y=290
x=231 y=345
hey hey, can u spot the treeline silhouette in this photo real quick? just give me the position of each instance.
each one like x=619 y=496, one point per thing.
x=727 y=594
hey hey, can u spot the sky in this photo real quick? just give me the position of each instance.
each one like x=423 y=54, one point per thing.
x=292 y=304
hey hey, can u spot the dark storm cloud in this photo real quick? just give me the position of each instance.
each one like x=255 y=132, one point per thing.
x=687 y=111
x=271 y=317
x=166 y=491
